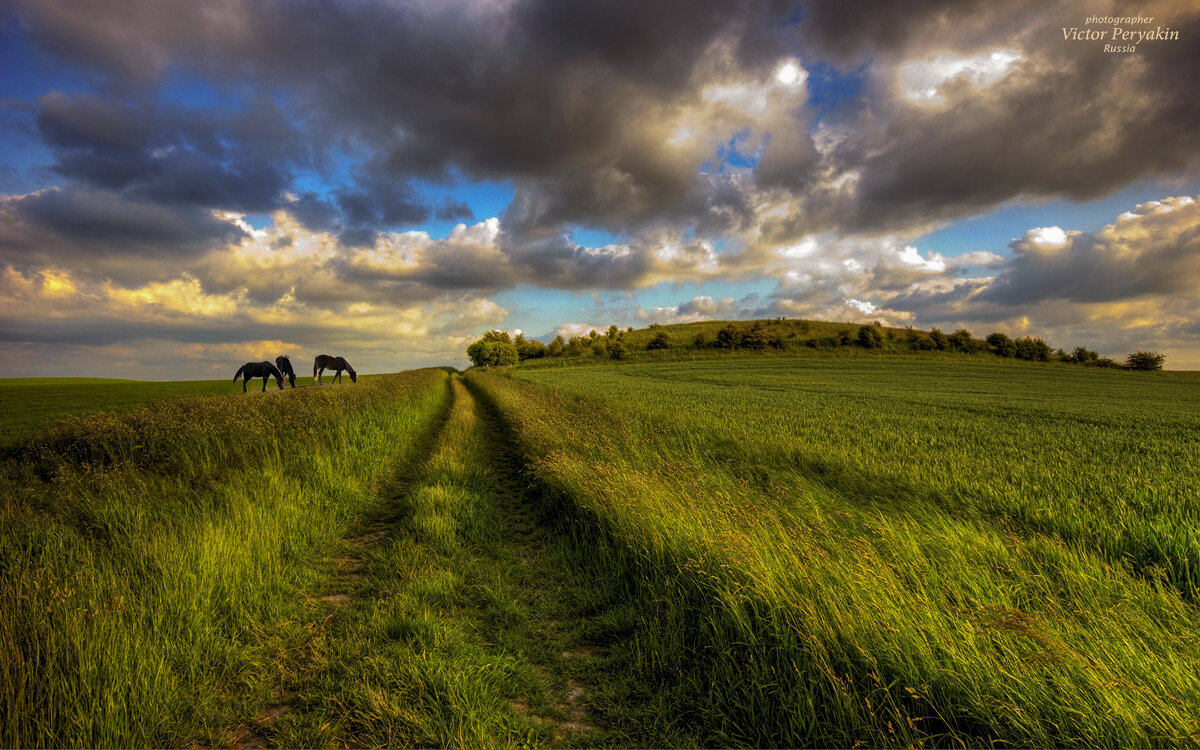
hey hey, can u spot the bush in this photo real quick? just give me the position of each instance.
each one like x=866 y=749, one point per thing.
x=1082 y=355
x=1001 y=345
x=757 y=337
x=939 y=339
x=728 y=337
x=962 y=341
x=1144 y=361
x=661 y=340
x=844 y=337
x=617 y=349
x=1032 y=349
x=869 y=337
x=700 y=342
x=529 y=348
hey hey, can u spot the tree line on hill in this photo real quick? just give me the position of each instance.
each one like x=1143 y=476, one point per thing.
x=498 y=348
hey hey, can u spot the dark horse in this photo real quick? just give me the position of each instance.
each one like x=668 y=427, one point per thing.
x=262 y=370
x=329 y=362
x=285 y=366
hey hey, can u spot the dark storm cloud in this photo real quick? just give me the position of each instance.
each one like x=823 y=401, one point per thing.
x=454 y=210
x=72 y=225
x=377 y=203
x=572 y=101
x=233 y=159
x=1064 y=119
x=542 y=89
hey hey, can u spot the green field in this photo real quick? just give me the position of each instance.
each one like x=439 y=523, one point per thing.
x=31 y=403
x=781 y=550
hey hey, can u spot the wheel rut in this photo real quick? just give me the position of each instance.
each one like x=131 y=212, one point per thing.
x=452 y=618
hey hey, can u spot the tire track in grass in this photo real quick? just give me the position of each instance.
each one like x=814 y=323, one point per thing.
x=455 y=621
x=347 y=569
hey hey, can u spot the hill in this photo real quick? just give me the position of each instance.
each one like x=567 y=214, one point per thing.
x=780 y=336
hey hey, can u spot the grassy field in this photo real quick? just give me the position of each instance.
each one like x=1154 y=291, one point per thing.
x=155 y=561
x=29 y=404
x=749 y=550
x=892 y=551
x=32 y=404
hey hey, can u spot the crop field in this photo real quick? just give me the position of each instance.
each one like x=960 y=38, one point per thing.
x=824 y=550
x=891 y=552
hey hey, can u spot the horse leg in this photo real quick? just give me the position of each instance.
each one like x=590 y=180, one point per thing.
x=265 y=379
x=339 y=376
x=244 y=381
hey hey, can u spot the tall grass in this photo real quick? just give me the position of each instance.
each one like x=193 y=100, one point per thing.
x=153 y=563
x=893 y=553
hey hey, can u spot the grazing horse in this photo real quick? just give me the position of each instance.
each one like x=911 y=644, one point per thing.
x=262 y=370
x=285 y=366
x=329 y=362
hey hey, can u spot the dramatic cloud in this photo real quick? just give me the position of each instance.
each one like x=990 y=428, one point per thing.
x=316 y=157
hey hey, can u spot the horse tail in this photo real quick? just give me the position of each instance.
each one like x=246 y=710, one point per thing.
x=238 y=374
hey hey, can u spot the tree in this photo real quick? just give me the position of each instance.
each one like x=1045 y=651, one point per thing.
x=495 y=335
x=531 y=349
x=555 y=349
x=962 y=341
x=613 y=331
x=617 y=349
x=1001 y=344
x=869 y=337
x=1032 y=349
x=728 y=337
x=757 y=337
x=939 y=339
x=1144 y=361
x=1082 y=355
x=661 y=340
x=485 y=353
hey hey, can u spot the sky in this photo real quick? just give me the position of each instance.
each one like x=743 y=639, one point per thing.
x=188 y=186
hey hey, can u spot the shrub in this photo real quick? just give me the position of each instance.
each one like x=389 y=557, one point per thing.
x=701 y=341
x=869 y=337
x=1032 y=349
x=962 y=341
x=1001 y=345
x=617 y=349
x=1083 y=356
x=728 y=337
x=844 y=337
x=529 y=348
x=939 y=339
x=661 y=340
x=1144 y=361
x=757 y=337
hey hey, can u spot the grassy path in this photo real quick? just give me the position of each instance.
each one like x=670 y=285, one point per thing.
x=455 y=618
